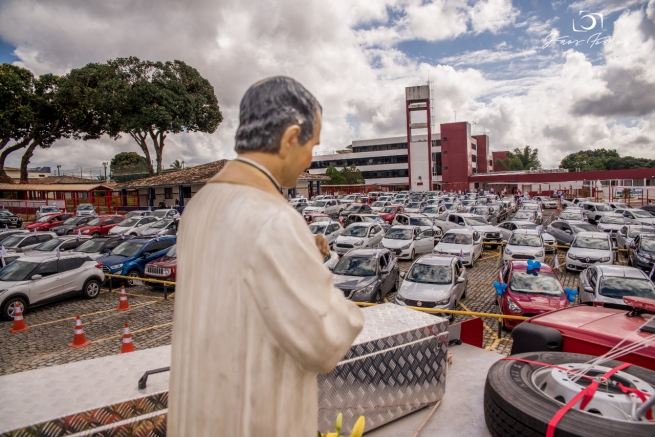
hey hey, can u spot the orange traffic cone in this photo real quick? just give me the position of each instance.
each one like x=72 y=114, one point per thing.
x=127 y=346
x=79 y=339
x=19 y=323
x=122 y=304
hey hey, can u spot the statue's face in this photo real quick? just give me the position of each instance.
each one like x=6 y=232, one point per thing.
x=300 y=156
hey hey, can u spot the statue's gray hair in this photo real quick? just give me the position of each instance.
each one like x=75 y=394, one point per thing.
x=268 y=108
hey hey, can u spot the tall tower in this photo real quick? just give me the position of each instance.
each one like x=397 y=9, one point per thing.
x=419 y=152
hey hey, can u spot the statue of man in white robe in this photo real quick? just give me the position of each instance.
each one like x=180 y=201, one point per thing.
x=256 y=314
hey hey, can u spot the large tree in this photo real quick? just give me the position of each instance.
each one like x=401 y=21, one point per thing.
x=603 y=159
x=520 y=159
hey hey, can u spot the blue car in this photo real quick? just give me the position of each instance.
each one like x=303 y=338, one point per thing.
x=130 y=257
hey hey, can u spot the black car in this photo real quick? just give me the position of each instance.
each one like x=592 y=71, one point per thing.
x=366 y=275
x=641 y=252
x=101 y=245
x=649 y=208
x=356 y=208
x=70 y=224
x=9 y=219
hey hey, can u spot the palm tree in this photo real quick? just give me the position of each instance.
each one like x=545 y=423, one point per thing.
x=177 y=165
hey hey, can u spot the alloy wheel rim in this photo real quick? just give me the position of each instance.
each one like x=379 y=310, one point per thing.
x=12 y=308
x=92 y=289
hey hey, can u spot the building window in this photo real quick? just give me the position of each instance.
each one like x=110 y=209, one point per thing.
x=168 y=193
x=378 y=147
x=377 y=160
x=474 y=158
x=436 y=164
x=474 y=147
x=187 y=192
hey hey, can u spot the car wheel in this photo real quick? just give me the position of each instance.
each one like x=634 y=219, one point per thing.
x=95 y=234
x=10 y=306
x=132 y=274
x=521 y=398
x=91 y=289
x=464 y=294
x=18 y=225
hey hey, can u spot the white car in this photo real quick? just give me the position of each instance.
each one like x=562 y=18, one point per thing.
x=414 y=207
x=30 y=281
x=46 y=209
x=377 y=206
x=462 y=243
x=407 y=241
x=548 y=202
x=638 y=217
x=164 y=213
x=525 y=244
x=348 y=199
x=330 y=230
x=26 y=241
x=331 y=260
x=324 y=206
x=571 y=215
x=533 y=207
x=138 y=214
x=589 y=248
x=64 y=243
x=84 y=210
x=133 y=226
x=507 y=229
x=160 y=227
x=611 y=224
x=358 y=236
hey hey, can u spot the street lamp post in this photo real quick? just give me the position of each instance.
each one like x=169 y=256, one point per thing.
x=58 y=170
x=105 y=164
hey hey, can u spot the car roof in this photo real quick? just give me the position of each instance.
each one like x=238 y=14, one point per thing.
x=364 y=224
x=41 y=258
x=523 y=266
x=366 y=252
x=621 y=271
x=593 y=234
x=527 y=231
x=518 y=222
x=436 y=260
x=403 y=227
x=460 y=231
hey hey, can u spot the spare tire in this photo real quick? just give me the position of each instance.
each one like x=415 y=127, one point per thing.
x=514 y=405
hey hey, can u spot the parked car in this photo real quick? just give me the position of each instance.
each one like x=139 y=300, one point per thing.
x=649 y=208
x=31 y=281
x=433 y=281
x=9 y=258
x=565 y=231
x=388 y=213
x=379 y=205
x=70 y=225
x=525 y=215
x=85 y=209
x=165 y=213
x=66 y=243
x=356 y=208
x=571 y=215
x=8 y=219
x=589 y=248
x=414 y=206
x=434 y=212
x=164 y=268
x=329 y=230
x=641 y=252
x=366 y=218
x=611 y=224
x=47 y=221
x=529 y=293
x=25 y=241
x=133 y=226
x=610 y=284
x=100 y=225
x=316 y=218
x=5 y=234
x=130 y=257
x=366 y=275
x=525 y=244
x=637 y=217
x=358 y=236
x=327 y=206
x=100 y=245
x=463 y=243
x=138 y=214
x=484 y=211
x=467 y=204
x=546 y=201
x=46 y=209
x=366 y=200
x=331 y=260
x=464 y=220
x=406 y=241
x=628 y=233
x=166 y=226
x=507 y=229
x=347 y=200
x=532 y=207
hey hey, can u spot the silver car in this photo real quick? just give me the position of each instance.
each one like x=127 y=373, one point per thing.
x=627 y=234
x=433 y=281
x=84 y=209
x=328 y=229
x=64 y=243
x=31 y=281
x=609 y=284
x=358 y=236
x=133 y=226
x=27 y=241
x=161 y=227
x=45 y=210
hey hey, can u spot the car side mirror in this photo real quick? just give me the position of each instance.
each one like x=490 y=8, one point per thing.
x=589 y=289
x=36 y=277
x=460 y=279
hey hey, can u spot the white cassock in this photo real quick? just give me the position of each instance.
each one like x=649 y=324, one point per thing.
x=256 y=318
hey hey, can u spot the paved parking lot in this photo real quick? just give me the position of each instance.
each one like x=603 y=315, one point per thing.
x=151 y=318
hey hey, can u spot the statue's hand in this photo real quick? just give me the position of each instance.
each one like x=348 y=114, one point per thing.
x=322 y=245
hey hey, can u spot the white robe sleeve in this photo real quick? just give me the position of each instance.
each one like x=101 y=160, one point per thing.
x=304 y=313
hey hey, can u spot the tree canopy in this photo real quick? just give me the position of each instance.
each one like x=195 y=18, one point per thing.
x=127 y=166
x=347 y=176
x=603 y=159
x=520 y=159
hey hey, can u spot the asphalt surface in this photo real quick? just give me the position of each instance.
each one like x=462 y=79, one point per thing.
x=151 y=320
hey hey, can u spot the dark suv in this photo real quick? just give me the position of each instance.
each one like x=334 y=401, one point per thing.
x=641 y=252
x=9 y=219
x=366 y=275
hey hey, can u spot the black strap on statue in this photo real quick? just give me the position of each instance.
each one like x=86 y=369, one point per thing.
x=266 y=173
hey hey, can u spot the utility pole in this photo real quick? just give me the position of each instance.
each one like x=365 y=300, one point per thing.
x=104 y=164
x=59 y=170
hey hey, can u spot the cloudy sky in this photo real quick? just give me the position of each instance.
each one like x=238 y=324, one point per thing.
x=536 y=72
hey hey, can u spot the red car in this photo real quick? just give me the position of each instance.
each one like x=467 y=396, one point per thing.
x=365 y=200
x=100 y=226
x=529 y=293
x=48 y=221
x=163 y=268
x=388 y=213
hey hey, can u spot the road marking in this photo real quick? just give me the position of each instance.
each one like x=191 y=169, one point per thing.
x=483 y=322
x=88 y=314
x=487 y=257
x=136 y=331
x=141 y=295
x=495 y=344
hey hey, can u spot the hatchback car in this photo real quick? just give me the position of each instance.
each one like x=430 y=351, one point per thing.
x=330 y=207
x=594 y=211
x=507 y=229
x=60 y=244
x=130 y=257
x=414 y=206
x=529 y=292
x=406 y=241
x=435 y=212
x=25 y=241
x=358 y=236
x=329 y=230
x=85 y=209
x=46 y=209
x=589 y=248
x=138 y=214
x=388 y=213
x=5 y=234
x=356 y=208
x=641 y=252
x=366 y=275
x=133 y=226
x=162 y=227
x=525 y=244
x=100 y=225
x=601 y=285
x=564 y=232
x=46 y=222
x=377 y=206
x=463 y=243
x=433 y=281
x=99 y=246
x=32 y=281
x=164 y=213
x=70 y=225
x=526 y=215
x=611 y=224
x=637 y=217
x=314 y=218
x=366 y=218
x=628 y=233
x=10 y=219
x=571 y=216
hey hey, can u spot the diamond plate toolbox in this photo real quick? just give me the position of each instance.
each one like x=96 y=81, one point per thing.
x=396 y=365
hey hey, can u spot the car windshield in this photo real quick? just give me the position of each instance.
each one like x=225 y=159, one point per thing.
x=648 y=245
x=317 y=229
x=457 y=239
x=617 y=287
x=12 y=241
x=17 y=271
x=634 y=232
x=431 y=210
x=318 y=204
x=73 y=220
x=583 y=227
x=160 y=213
x=526 y=225
x=612 y=220
x=128 y=248
x=133 y=214
x=361 y=200
x=372 y=219
x=530 y=207
x=476 y=221
x=389 y=209
x=84 y=207
x=172 y=252
x=44 y=219
x=322 y=219
x=641 y=214
x=591 y=243
x=413 y=205
x=468 y=202
x=529 y=240
x=128 y=223
x=48 y=245
x=522 y=215
x=356 y=266
x=90 y=246
x=355 y=231
x=378 y=204
x=536 y=282
x=50 y=209
x=428 y=274
x=450 y=206
x=95 y=222
x=399 y=234
x=161 y=224
x=480 y=211
x=420 y=221
x=353 y=207
x=570 y=216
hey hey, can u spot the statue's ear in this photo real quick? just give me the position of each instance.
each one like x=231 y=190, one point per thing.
x=289 y=140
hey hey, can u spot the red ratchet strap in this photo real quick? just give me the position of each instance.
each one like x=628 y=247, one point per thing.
x=640 y=394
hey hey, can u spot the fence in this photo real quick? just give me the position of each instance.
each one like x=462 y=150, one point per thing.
x=27 y=209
